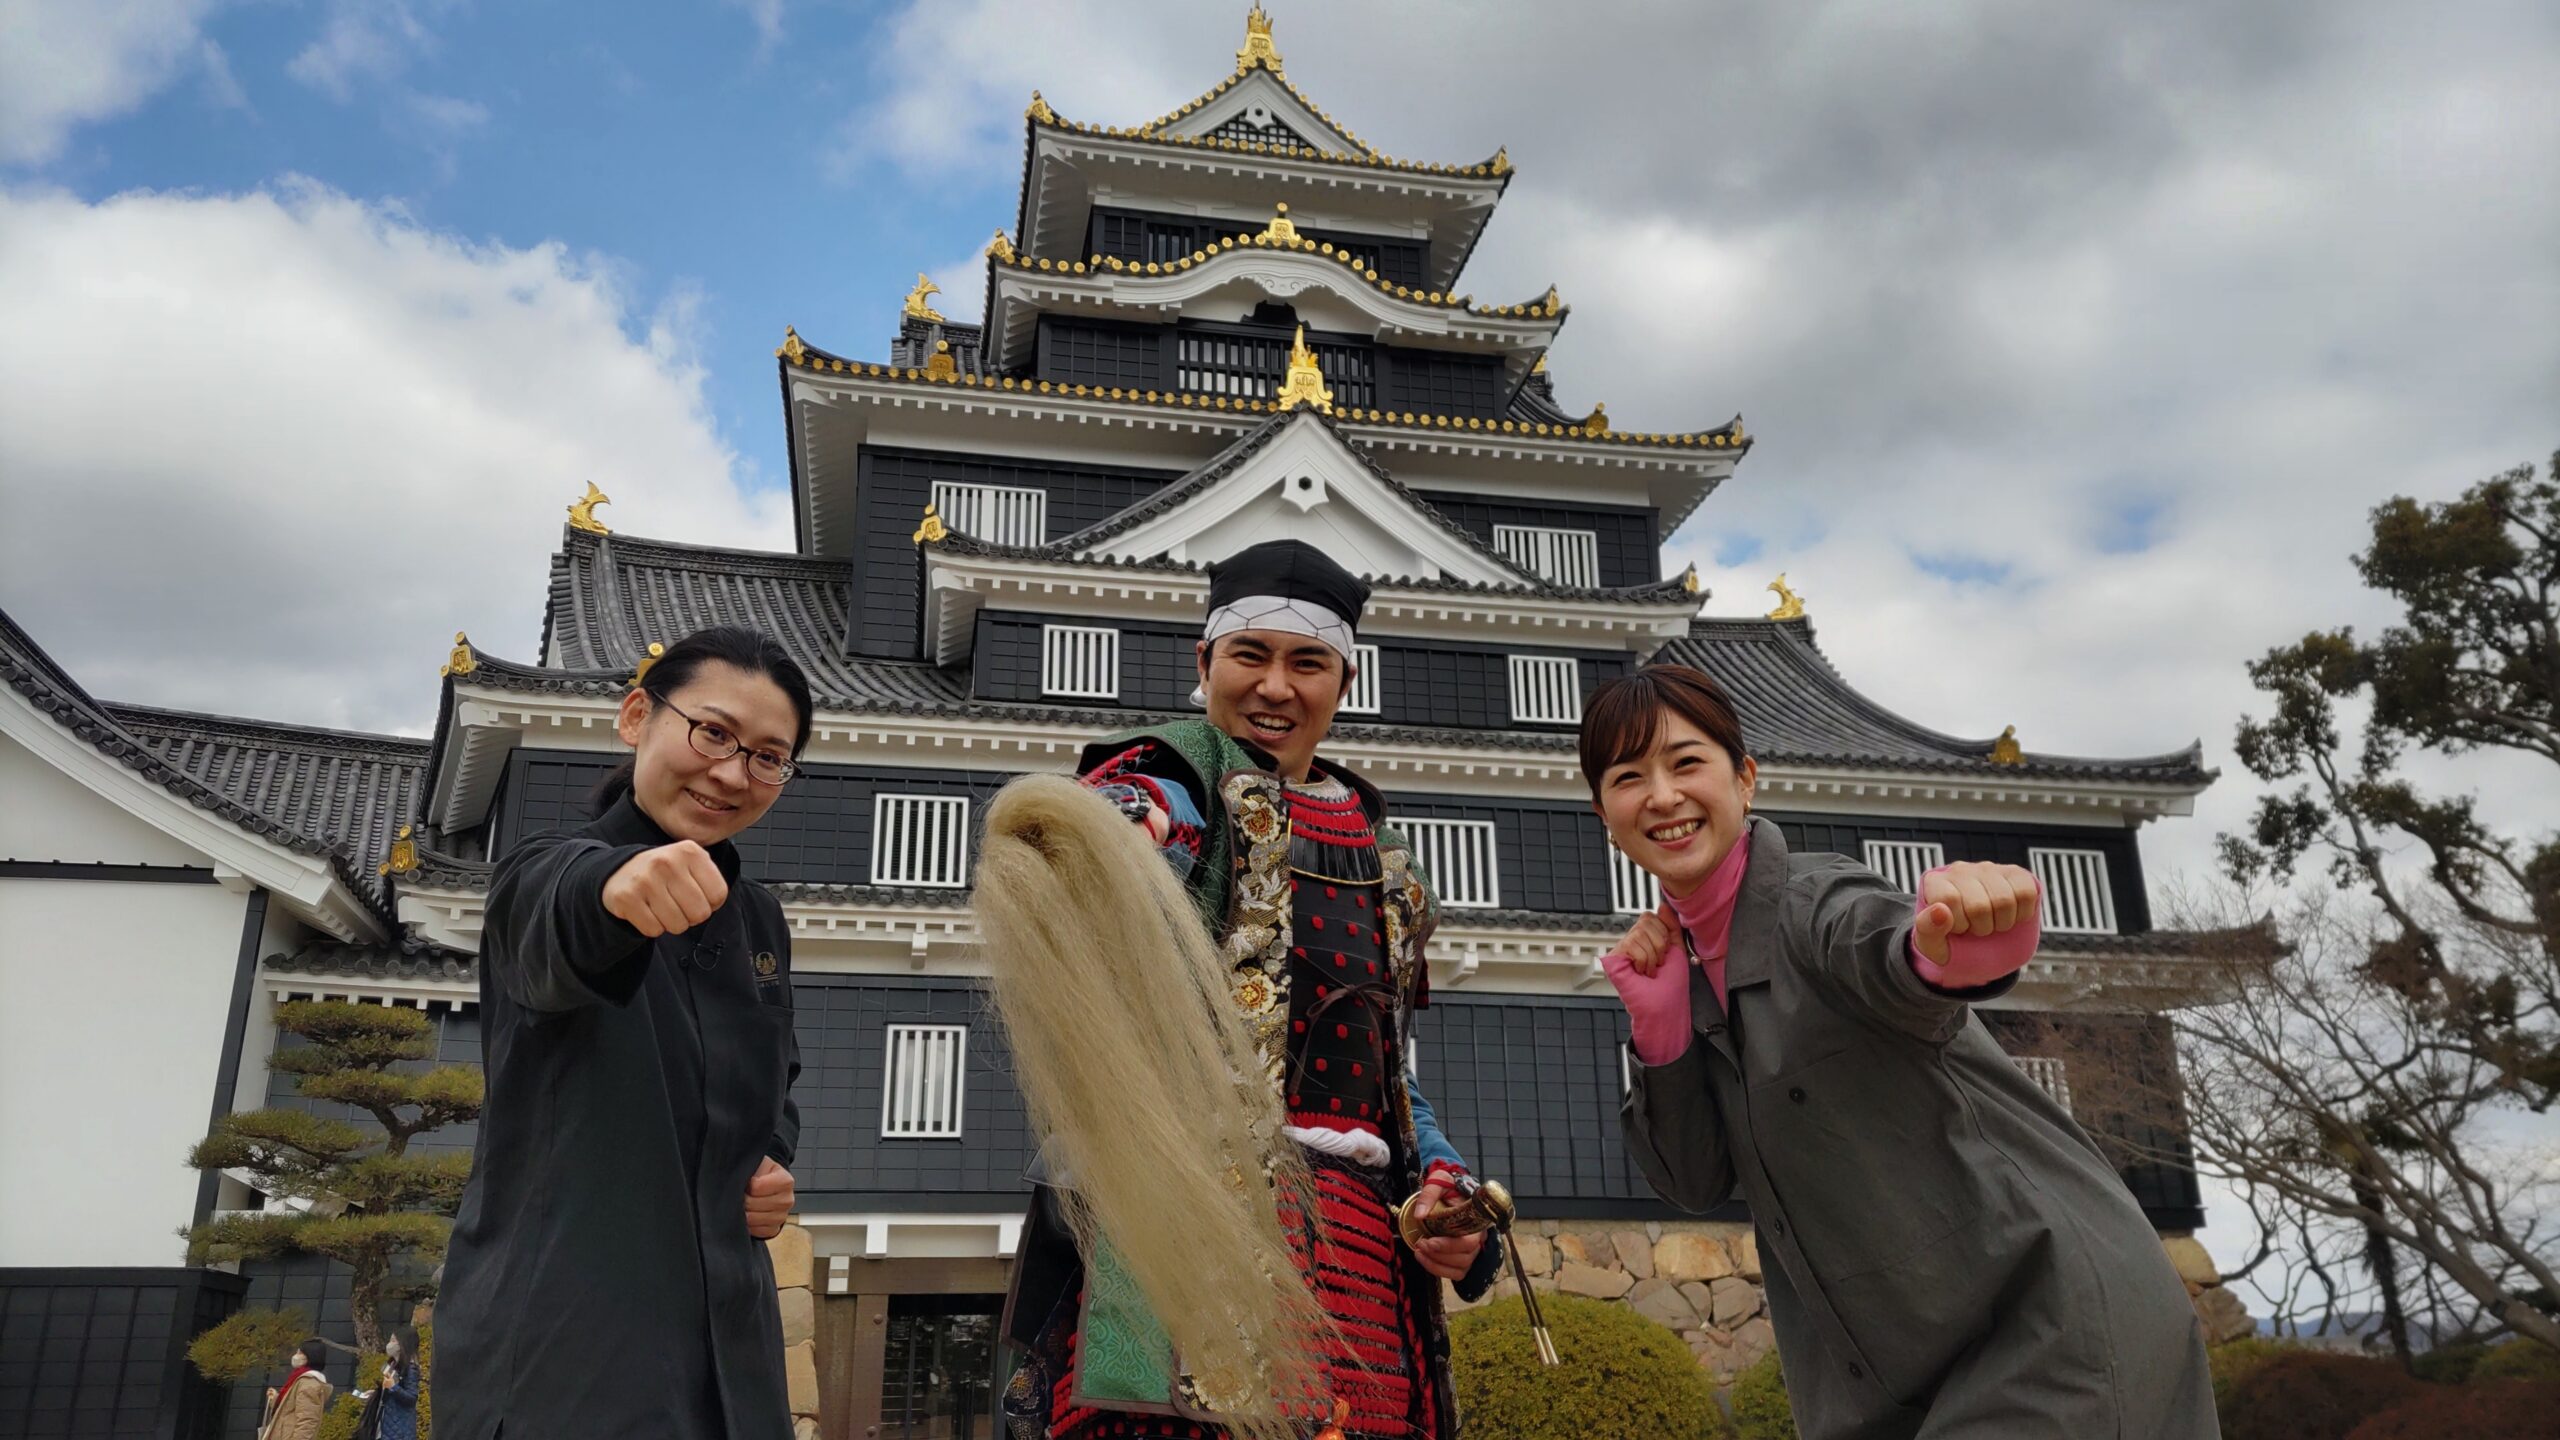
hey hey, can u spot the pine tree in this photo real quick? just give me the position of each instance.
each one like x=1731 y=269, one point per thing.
x=359 y=1197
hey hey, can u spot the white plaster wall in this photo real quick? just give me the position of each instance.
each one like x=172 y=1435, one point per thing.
x=47 y=815
x=113 y=1002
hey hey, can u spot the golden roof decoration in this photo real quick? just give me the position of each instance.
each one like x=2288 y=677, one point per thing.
x=1716 y=439
x=1039 y=112
x=657 y=652
x=1597 y=422
x=1279 y=231
x=1790 y=604
x=1000 y=250
x=791 y=349
x=940 y=365
x=582 y=511
x=1541 y=367
x=461 y=661
x=1367 y=157
x=404 y=853
x=1500 y=164
x=2005 y=750
x=1257 y=43
x=916 y=308
x=932 y=531
x=1305 y=385
x=1689 y=578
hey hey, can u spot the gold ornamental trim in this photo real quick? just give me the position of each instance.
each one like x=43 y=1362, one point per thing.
x=1790 y=604
x=582 y=511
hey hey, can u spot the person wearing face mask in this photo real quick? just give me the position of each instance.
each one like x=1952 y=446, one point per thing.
x=1296 y=872
x=606 y=1275
x=391 y=1406
x=295 y=1409
x=1946 y=1252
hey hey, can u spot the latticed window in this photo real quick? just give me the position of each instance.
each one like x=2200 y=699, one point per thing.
x=1106 y=355
x=1903 y=862
x=927 y=1065
x=1247 y=128
x=2048 y=1075
x=1079 y=661
x=1546 y=690
x=1459 y=857
x=1363 y=699
x=1004 y=514
x=1432 y=383
x=1559 y=557
x=2077 y=898
x=1251 y=366
x=920 y=840
x=1632 y=888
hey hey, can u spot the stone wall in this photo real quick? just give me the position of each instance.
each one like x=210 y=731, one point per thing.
x=1702 y=1279
x=794 y=1267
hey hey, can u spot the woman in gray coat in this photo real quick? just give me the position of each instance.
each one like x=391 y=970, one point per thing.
x=1946 y=1253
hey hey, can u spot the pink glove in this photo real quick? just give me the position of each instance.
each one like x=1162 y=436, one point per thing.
x=1657 y=1004
x=1976 y=959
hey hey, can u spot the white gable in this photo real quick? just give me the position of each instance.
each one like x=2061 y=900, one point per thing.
x=1261 y=99
x=47 y=815
x=1306 y=484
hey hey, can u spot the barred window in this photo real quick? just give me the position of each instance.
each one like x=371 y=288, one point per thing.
x=1003 y=514
x=920 y=840
x=1363 y=699
x=2077 y=898
x=1632 y=889
x=1459 y=857
x=1546 y=690
x=927 y=1068
x=1080 y=662
x=1090 y=354
x=2048 y=1075
x=1560 y=557
x=1903 y=862
x=1434 y=383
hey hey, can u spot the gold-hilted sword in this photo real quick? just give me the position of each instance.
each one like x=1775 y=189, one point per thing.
x=1475 y=1206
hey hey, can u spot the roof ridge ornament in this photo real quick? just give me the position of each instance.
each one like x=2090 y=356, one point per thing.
x=939 y=365
x=2005 y=750
x=1038 y=110
x=1000 y=249
x=932 y=531
x=1790 y=604
x=1305 y=385
x=1501 y=164
x=404 y=854
x=461 y=661
x=657 y=652
x=1281 y=230
x=1597 y=422
x=582 y=511
x=1689 y=578
x=791 y=349
x=916 y=308
x=1258 y=49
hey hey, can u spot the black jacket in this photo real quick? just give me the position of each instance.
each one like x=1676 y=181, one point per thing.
x=601 y=1280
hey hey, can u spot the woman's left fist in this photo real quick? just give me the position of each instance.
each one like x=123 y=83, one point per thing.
x=1973 y=898
x=770 y=1196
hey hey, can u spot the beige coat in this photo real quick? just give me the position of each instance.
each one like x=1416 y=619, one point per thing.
x=297 y=1415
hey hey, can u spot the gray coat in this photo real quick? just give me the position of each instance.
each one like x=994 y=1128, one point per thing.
x=1946 y=1253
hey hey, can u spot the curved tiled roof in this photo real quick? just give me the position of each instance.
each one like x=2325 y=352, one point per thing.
x=410 y=959
x=1546 y=307
x=227 y=771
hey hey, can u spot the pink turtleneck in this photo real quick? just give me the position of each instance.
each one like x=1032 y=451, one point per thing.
x=1658 y=1004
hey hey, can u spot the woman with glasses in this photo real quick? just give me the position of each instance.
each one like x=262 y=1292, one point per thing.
x=606 y=1275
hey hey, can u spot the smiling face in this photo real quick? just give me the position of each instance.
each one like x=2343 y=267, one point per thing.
x=690 y=795
x=1275 y=689
x=1677 y=809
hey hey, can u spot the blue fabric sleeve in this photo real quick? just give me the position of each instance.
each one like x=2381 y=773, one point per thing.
x=1429 y=1142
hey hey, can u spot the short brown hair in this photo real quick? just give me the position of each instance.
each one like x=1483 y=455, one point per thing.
x=1623 y=719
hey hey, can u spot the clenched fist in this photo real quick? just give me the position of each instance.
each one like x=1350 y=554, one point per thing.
x=1650 y=968
x=1973 y=898
x=770 y=1196
x=667 y=891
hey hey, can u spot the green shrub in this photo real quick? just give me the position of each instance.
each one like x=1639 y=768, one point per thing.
x=2237 y=1360
x=340 y=1422
x=426 y=1363
x=2517 y=1360
x=2491 y=1410
x=2314 y=1395
x=2448 y=1364
x=1622 y=1375
x=1760 y=1407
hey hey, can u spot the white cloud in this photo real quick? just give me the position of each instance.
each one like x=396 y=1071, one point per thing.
x=265 y=453
x=64 y=63
x=361 y=40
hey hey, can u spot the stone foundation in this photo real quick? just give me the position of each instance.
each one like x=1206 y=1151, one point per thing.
x=794 y=1265
x=1701 y=1279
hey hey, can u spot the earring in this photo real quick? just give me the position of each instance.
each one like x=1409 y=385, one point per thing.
x=1199 y=697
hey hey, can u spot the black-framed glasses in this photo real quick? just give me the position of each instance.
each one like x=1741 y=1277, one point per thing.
x=712 y=741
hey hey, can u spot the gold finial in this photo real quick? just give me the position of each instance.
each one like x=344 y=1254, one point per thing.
x=2005 y=751
x=404 y=854
x=1000 y=249
x=1257 y=49
x=1554 y=303
x=940 y=365
x=582 y=512
x=1502 y=161
x=932 y=531
x=791 y=349
x=1733 y=431
x=1597 y=422
x=1790 y=604
x=1305 y=385
x=1280 y=231
x=461 y=661
x=916 y=308
x=1541 y=367
x=657 y=652
x=1689 y=579
x=1039 y=110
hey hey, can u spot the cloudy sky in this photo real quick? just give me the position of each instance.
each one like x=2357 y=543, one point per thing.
x=2077 y=339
